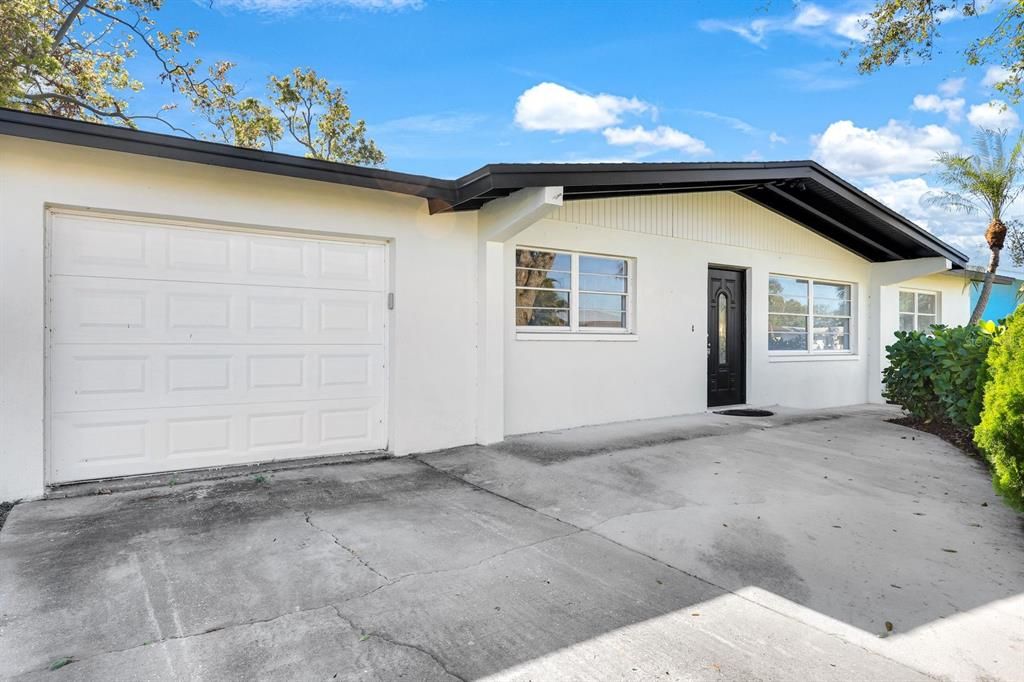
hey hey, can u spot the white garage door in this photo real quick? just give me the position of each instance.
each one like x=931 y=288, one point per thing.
x=177 y=347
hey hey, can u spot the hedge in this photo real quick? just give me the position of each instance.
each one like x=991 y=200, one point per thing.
x=1000 y=435
x=940 y=375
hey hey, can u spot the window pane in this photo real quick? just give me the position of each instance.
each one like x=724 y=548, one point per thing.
x=541 y=298
x=831 y=306
x=832 y=324
x=906 y=301
x=906 y=323
x=602 y=310
x=831 y=333
x=542 y=317
x=925 y=322
x=603 y=283
x=547 y=279
x=787 y=323
x=787 y=295
x=839 y=292
x=789 y=287
x=926 y=304
x=831 y=342
x=602 y=318
x=543 y=260
x=786 y=341
x=593 y=265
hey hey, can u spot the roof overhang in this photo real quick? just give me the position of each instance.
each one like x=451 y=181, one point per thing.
x=97 y=136
x=977 y=274
x=802 y=191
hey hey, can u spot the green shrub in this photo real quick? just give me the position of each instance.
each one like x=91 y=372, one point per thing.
x=941 y=375
x=1000 y=435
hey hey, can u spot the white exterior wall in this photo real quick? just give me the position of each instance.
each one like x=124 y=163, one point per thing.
x=562 y=382
x=954 y=310
x=458 y=372
x=432 y=342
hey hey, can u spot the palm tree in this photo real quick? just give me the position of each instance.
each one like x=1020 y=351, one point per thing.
x=985 y=182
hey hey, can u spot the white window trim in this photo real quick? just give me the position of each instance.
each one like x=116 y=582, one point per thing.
x=810 y=352
x=916 y=314
x=574 y=330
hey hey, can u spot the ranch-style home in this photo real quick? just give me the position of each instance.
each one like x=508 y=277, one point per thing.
x=172 y=304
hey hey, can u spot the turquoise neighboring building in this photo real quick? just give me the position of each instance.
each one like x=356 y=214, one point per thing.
x=1003 y=300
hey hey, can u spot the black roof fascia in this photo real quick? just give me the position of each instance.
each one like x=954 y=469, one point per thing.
x=857 y=211
x=818 y=199
x=99 y=136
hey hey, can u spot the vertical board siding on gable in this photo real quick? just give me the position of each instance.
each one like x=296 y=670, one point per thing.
x=713 y=217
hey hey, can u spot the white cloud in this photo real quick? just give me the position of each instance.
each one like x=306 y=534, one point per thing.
x=994 y=115
x=809 y=20
x=655 y=139
x=906 y=196
x=903 y=196
x=951 y=87
x=810 y=16
x=994 y=75
x=733 y=122
x=774 y=138
x=752 y=32
x=895 y=148
x=953 y=108
x=853 y=26
x=292 y=6
x=549 y=106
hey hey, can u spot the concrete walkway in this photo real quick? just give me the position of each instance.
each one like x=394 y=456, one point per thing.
x=703 y=547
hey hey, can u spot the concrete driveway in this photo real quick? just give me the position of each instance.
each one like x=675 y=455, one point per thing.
x=702 y=547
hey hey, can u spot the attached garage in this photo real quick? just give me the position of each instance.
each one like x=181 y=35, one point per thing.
x=178 y=346
x=170 y=304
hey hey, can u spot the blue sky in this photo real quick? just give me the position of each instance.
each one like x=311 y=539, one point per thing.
x=447 y=86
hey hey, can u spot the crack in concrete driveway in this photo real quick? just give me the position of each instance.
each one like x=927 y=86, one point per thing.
x=771 y=553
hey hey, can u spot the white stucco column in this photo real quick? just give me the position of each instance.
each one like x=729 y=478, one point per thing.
x=499 y=222
x=883 y=310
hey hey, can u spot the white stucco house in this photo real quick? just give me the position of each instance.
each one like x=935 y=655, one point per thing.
x=174 y=304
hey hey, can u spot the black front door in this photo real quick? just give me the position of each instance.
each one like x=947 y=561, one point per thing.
x=726 y=345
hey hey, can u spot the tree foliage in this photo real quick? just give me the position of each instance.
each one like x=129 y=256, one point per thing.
x=73 y=58
x=905 y=30
x=985 y=182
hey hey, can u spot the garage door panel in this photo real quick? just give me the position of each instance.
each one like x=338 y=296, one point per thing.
x=101 y=247
x=128 y=442
x=123 y=311
x=176 y=348
x=105 y=377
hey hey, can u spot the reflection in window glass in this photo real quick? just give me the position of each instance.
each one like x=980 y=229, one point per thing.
x=576 y=291
x=805 y=315
x=596 y=265
x=601 y=310
x=723 y=327
x=543 y=281
x=831 y=333
x=918 y=310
